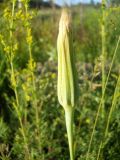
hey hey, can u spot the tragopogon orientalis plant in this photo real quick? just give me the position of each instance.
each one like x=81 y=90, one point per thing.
x=67 y=79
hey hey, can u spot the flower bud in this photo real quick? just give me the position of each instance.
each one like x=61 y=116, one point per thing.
x=67 y=79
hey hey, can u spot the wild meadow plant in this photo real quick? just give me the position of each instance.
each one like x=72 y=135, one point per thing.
x=10 y=48
x=103 y=61
x=24 y=89
x=67 y=80
x=105 y=80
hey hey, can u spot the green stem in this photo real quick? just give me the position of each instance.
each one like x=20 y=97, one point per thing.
x=114 y=101
x=103 y=52
x=13 y=82
x=69 y=116
x=33 y=80
x=113 y=105
x=102 y=98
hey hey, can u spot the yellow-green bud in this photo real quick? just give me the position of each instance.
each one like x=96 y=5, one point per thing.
x=67 y=79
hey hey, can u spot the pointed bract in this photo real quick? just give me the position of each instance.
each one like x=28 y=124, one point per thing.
x=67 y=77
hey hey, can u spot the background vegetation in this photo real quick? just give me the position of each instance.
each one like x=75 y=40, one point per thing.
x=31 y=120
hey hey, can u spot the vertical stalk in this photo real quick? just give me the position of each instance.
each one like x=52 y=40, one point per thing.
x=103 y=52
x=17 y=110
x=113 y=102
x=113 y=105
x=69 y=115
x=33 y=77
x=102 y=98
x=13 y=81
x=109 y=115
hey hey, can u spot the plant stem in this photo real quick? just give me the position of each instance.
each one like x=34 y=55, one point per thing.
x=102 y=98
x=34 y=95
x=111 y=109
x=17 y=110
x=109 y=115
x=113 y=105
x=33 y=79
x=103 y=52
x=69 y=116
x=13 y=81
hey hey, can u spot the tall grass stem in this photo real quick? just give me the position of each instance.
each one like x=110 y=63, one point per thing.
x=102 y=98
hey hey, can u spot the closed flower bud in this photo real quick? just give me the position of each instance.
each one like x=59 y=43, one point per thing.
x=67 y=81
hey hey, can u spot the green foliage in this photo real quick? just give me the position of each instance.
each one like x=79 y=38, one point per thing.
x=115 y=2
x=34 y=34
